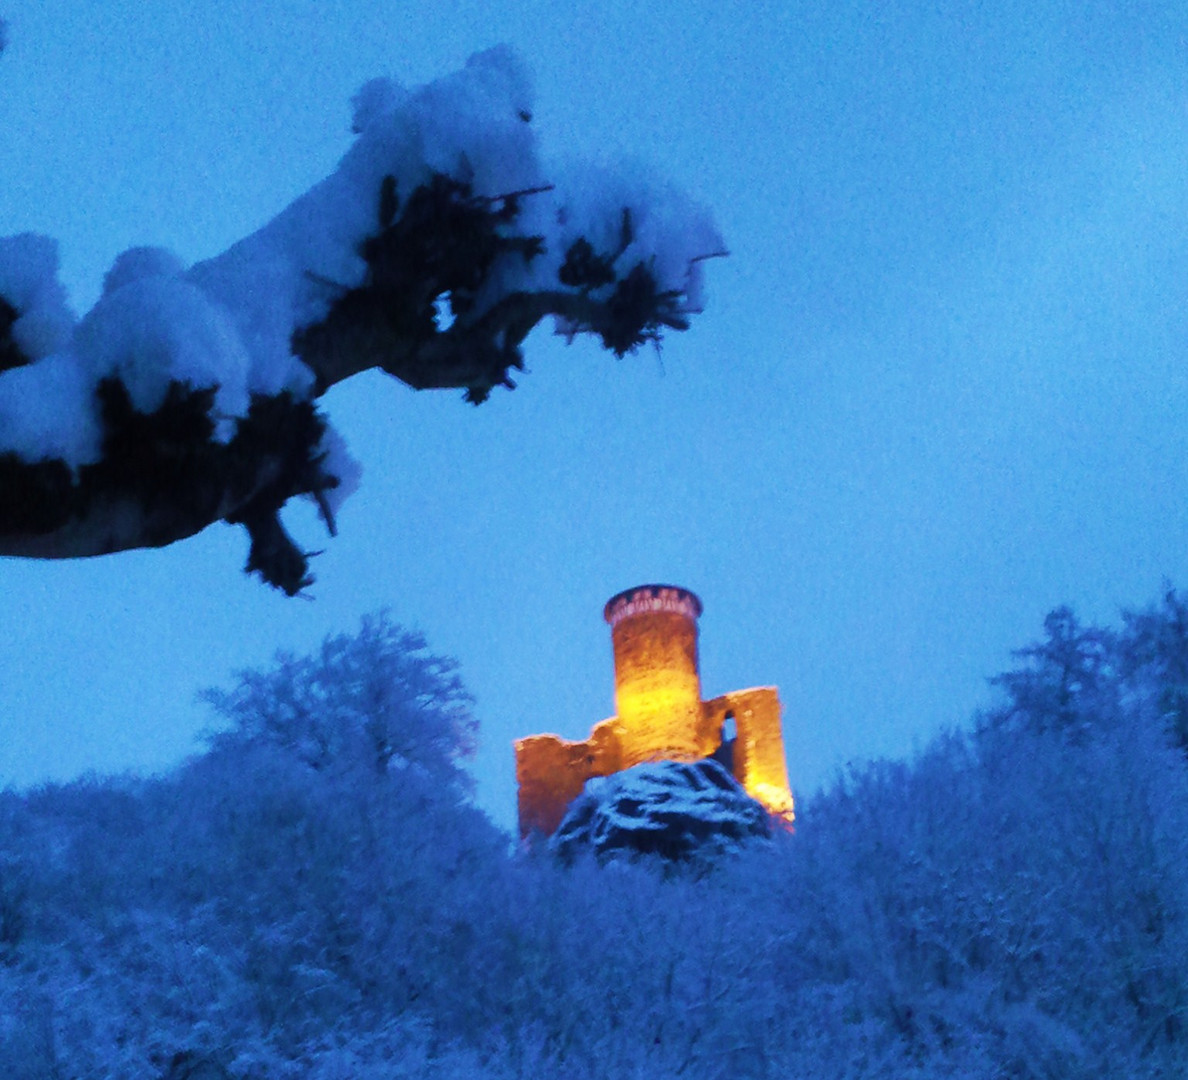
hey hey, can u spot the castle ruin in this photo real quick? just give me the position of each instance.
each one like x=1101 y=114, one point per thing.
x=660 y=716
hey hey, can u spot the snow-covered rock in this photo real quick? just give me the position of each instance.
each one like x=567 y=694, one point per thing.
x=677 y=810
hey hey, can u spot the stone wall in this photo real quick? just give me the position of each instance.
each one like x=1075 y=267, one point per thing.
x=551 y=771
x=758 y=761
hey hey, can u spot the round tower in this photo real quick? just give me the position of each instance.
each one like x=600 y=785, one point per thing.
x=657 y=683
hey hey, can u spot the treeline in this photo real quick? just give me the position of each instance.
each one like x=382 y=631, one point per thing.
x=315 y=897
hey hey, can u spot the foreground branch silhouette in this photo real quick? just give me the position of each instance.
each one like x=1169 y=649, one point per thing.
x=188 y=396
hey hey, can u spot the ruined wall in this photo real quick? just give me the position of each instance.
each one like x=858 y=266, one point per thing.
x=551 y=771
x=758 y=761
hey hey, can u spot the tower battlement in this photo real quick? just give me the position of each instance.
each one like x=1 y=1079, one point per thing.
x=646 y=599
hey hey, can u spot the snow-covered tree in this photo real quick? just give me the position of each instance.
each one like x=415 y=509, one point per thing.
x=1154 y=653
x=377 y=700
x=1062 y=682
x=188 y=396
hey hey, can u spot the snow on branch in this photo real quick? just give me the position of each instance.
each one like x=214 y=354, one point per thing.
x=187 y=396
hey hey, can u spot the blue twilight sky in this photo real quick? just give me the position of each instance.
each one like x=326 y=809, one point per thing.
x=939 y=389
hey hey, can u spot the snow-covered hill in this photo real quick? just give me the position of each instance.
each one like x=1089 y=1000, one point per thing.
x=315 y=897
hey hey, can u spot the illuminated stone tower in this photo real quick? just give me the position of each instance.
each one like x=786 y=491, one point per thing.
x=657 y=682
x=660 y=716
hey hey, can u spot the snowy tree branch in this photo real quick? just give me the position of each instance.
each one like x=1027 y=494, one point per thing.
x=187 y=396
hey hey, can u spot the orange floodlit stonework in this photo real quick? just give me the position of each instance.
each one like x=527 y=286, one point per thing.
x=660 y=716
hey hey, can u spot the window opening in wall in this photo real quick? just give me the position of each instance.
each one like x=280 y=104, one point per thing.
x=724 y=755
